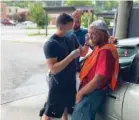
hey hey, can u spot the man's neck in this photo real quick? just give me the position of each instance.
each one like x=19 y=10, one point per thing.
x=60 y=34
x=76 y=30
x=103 y=43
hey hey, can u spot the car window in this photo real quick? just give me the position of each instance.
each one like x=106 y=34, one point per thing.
x=126 y=51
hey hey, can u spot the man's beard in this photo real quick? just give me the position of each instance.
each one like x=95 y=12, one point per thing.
x=76 y=28
x=97 y=42
x=100 y=43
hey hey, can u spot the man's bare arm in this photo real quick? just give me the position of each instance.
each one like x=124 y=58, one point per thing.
x=92 y=85
x=84 y=50
x=56 y=66
x=86 y=46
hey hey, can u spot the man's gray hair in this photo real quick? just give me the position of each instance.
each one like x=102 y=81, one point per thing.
x=100 y=25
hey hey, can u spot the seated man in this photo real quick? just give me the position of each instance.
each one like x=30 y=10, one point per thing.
x=98 y=74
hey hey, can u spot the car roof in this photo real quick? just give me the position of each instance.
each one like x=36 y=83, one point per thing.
x=128 y=42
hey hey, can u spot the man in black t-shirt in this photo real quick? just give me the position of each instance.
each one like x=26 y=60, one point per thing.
x=60 y=53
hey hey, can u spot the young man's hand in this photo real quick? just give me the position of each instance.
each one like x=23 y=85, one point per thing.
x=81 y=50
x=87 y=38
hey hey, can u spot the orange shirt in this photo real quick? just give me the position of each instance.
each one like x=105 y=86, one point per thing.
x=91 y=62
x=104 y=66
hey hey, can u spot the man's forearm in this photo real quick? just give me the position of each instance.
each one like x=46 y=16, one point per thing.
x=92 y=85
x=84 y=50
x=59 y=66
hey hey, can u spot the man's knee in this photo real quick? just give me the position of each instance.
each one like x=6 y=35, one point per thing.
x=82 y=112
x=78 y=110
x=87 y=108
x=44 y=117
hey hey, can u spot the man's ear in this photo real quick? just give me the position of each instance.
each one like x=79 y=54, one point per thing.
x=60 y=27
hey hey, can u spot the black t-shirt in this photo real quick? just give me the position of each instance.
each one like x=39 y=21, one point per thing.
x=61 y=47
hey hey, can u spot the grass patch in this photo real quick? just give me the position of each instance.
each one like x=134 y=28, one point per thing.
x=36 y=34
x=51 y=27
x=31 y=28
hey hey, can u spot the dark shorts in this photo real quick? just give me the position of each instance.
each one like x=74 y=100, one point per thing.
x=59 y=98
x=56 y=110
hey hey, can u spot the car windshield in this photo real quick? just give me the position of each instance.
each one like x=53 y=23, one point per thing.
x=125 y=51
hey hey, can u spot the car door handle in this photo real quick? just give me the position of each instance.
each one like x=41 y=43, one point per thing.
x=112 y=96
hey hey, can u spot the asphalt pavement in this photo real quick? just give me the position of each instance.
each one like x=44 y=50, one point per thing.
x=22 y=63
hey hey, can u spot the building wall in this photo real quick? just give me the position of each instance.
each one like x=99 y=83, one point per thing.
x=20 y=10
x=12 y=10
x=3 y=11
x=52 y=19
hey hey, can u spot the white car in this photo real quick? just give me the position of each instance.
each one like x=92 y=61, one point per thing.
x=29 y=24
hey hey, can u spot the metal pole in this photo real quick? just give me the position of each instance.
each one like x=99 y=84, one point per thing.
x=46 y=22
x=115 y=22
x=124 y=10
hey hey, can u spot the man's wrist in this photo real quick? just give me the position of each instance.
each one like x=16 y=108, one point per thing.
x=71 y=57
x=87 y=44
x=81 y=92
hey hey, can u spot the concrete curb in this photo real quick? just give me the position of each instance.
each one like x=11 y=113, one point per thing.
x=27 y=41
x=23 y=92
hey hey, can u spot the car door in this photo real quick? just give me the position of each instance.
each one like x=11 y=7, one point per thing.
x=131 y=103
x=131 y=100
x=112 y=107
x=123 y=103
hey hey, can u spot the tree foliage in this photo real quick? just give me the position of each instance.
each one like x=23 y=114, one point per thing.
x=22 y=4
x=136 y=2
x=78 y=3
x=53 y=3
x=84 y=20
x=105 y=5
x=87 y=19
x=37 y=14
